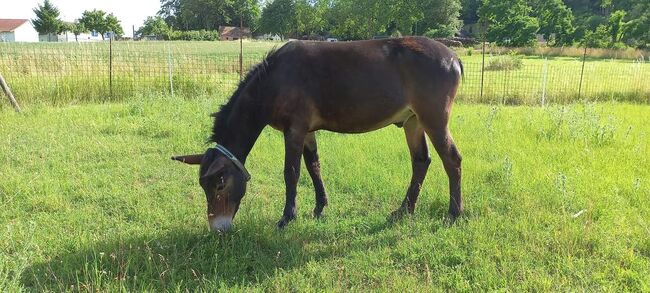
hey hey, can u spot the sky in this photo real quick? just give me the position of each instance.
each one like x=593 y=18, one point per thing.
x=129 y=12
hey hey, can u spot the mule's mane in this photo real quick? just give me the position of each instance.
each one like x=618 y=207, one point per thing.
x=222 y=118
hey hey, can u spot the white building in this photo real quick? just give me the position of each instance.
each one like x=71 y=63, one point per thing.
x=17 y=30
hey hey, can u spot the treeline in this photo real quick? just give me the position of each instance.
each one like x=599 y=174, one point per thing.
x=596 y=23
x=48 y=22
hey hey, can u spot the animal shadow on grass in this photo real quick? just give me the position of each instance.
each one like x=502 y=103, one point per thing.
x=187 y=260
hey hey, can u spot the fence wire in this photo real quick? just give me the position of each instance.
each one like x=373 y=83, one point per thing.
x=64 y=73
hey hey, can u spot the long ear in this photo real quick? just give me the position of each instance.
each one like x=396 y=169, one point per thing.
x=190 y=159
x=216 y=166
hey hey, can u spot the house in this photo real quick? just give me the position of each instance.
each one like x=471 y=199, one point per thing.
x=17 y=30
x=231 y=33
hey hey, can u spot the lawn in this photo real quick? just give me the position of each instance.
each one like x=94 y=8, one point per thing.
x=556 y=199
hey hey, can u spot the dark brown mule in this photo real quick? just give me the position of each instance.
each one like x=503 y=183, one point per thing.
x=349 y=87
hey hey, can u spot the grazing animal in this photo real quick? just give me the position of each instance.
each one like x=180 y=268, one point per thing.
x=345 y=87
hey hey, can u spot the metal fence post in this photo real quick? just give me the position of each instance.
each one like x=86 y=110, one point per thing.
x=482 y=69
x=544 y=79
x=110 y=66
x=241 y=46
x=171 y=70
x=582 y=73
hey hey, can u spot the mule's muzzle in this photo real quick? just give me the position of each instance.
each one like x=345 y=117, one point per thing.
x=220 y=223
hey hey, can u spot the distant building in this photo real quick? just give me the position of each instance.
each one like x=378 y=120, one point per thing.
x=231 y=33
x=70 y=37
x=17 y=30
x=269 y=37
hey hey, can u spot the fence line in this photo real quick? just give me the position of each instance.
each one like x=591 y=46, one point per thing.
x=59 y=74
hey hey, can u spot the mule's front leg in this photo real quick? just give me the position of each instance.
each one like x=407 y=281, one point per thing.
x=313 y=167
x=293 y=147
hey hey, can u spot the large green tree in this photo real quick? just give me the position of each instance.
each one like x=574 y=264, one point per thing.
x=209 y=14
x=153 y=26
x=95 y=20
x=508 y=22
x=279 y=17
x=47 y=20
x=555 y=21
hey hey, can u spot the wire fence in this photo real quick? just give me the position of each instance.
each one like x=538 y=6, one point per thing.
x=76 y=72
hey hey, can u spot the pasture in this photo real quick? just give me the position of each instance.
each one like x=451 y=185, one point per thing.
x=70 y=73
x=555 y=198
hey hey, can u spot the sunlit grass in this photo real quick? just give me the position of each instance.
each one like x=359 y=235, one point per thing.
x=556 y=200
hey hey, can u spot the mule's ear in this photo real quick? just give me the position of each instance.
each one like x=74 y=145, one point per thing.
x=190 y=159
x=216 y=167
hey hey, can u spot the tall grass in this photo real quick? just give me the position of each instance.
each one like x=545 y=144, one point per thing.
x=59 y=74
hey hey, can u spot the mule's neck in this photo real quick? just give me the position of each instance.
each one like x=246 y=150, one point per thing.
x=245 y=124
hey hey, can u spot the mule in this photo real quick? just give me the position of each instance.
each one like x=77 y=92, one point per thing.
x=345 y=87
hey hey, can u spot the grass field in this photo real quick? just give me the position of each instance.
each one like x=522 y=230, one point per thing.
x=556 y=199
x=71 y=73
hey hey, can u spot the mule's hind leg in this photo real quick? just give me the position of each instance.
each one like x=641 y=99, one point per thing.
x=434 y=113
x=451 y=160
x=420 y=161
x=310 y=153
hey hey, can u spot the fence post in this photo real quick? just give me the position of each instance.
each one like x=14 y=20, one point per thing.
x=582 y=73
x=241 y=46
x=482 y=69
x=10 y=96
x=171 y=70
x=544 y=79
x=110 y=65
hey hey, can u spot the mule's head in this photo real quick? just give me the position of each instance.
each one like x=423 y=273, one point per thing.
x=224 y=184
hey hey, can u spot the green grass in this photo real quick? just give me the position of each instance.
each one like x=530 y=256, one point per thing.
x=71 y=73
x=556 y=199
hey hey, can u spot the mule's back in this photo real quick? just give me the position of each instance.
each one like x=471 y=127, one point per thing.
x=359 y=86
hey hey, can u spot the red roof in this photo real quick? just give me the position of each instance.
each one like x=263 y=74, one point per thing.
x=9 y=25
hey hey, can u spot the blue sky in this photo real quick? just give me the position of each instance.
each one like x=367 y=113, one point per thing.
x=130 y=12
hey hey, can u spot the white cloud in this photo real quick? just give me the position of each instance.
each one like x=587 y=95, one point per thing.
x=129 y=12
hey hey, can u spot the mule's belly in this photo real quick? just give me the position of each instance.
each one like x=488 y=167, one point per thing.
x=358 y=122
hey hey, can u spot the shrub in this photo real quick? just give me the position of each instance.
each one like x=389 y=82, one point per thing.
x=505 y=62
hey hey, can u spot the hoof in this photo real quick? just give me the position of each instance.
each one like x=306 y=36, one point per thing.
x=318 y=212
x=284 y=222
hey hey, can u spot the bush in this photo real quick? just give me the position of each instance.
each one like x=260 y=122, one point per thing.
x=201 y=35
x=505 y=62
x=445 y=31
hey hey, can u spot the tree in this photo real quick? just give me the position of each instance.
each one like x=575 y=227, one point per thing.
x=617 y=26
x=98 y=21
x=509 y=23
x=113 y=25
x=555 y=20
x=153 y=26
x=77 y=29
x=95 y=21
x=47 y=20
x=278 y=17
x=209 y=14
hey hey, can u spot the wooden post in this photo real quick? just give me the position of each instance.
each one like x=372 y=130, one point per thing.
x=7 y=90
x=582 y=72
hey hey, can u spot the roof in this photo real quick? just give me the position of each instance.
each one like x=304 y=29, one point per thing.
x=10 y=25
x=231 y=31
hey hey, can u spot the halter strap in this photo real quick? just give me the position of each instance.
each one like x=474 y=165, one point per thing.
x=234 y=160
